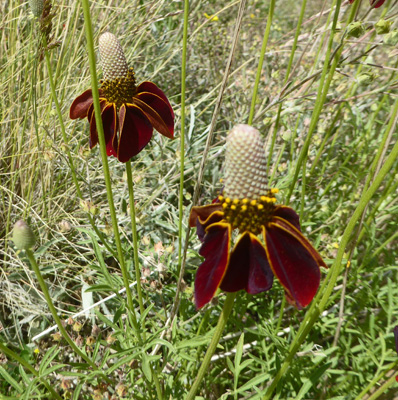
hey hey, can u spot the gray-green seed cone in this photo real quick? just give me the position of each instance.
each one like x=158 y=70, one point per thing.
x=113 y=60
x=22 y=236
x=37 y=7
x=245 y=164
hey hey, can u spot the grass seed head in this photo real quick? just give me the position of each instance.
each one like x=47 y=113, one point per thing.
x=37 y=7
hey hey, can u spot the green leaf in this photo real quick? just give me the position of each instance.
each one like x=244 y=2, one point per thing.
x=146 y=368
x=312 y=380
x=11 y=380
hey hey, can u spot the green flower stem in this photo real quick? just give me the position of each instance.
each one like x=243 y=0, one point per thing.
x=66 y=141
x=50 y=304
x=389 y=372
x=382 y=389
x=322 y=91
x=26 y=365
x=97 y=109
x=158 y=388
x=323 y=296
x=135 y=236
x=261 y=60
x=229 y=302
x=289 y=67
x=182 y=135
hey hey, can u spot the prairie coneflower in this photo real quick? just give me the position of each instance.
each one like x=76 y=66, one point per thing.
x=129 y=112
x=249 y=207
x=373 y=3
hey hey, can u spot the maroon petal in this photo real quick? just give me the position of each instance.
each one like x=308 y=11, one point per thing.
x=395 y=330
x=248 y=267
x=135 y=132
x=292 y=262
x=152 y=88
x=109 y=122
x=289 y=215
x=157 y=111
x=376 y=4
x=215 y=250
x=217 y=216
x=93 y=124
x=296 y=232
x=202 y=212
x=80 y=105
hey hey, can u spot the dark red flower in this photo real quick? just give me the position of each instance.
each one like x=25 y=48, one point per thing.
x=373 y=3
x=376 y=3
x=249 y=208
x=129 y=112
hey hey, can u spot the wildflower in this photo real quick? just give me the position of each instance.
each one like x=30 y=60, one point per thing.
x=128 y=112
x=376 y=3
x=249 y=207
x=23 y=236
x=373 y=3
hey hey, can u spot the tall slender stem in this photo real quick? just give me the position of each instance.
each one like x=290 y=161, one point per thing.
x=182 y=135
x=50 y=304
x=261 y=61
x=322 y=91
x=98 y=120
x=135 y=236
x=222 y=320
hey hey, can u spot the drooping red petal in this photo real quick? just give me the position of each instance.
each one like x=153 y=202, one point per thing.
x=203 y=216
x=152 y=88
x=157 y=111
x=109 y=122
x=81 y=104
x=376 y=3
x=135 y=132
x=395 y=330
x=215 y=250
x=248 y=267
x=93 y=124
x=304 y=241
x=201 y=225
x=289 y=215
x=202 y=212
x=292 y=263
x=260 y=275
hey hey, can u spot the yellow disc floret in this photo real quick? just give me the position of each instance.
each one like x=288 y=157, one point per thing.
x=249 y=215
x=119 y=90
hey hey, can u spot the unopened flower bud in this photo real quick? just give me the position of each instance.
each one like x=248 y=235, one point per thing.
x=113 y=60
x=245 y=164
x=37 y=7
x=382 y=27
x=22 y=236
x=355 y=29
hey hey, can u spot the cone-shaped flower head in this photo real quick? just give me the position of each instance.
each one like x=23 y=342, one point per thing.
x=129 y=112
x=37 y=7
x=250 y=207
x=113 y=60
x=245 y=164
x=22 y=236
